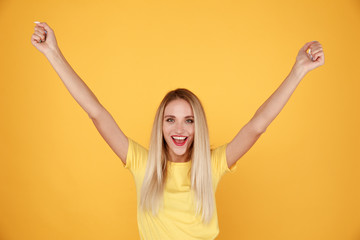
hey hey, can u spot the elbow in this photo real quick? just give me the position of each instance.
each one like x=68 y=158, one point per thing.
x=260 y=130
x=96 y=113
x=263 y=130
x=91 y=116
x=258 y=127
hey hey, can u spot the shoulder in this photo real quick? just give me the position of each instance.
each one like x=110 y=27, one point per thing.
x=219 y=160
x=136 y=155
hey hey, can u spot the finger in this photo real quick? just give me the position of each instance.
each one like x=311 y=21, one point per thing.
x=35 y=38
x=316 y=50
x=315 y=46
x=315 y=43
x=319 y=56
x=41 y=32
x=313 y=49
x=45 y=26
x=306 y=46
x=40 y=29
x=41 y=35
x=320 y=61
x=310 y=56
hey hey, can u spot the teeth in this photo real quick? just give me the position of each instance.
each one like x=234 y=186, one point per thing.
x=179 y=138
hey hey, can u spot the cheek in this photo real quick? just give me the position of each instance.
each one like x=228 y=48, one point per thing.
x=192 y=131
x=166 y=135
x=166 y=131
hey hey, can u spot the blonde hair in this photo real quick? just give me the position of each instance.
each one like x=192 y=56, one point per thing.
x=151 y=197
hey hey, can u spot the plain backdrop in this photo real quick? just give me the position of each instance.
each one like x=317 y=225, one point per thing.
x=60 y=180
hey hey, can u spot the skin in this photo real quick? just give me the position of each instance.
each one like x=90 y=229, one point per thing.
x=271 y=108
x=247 y=136
x=178 y=121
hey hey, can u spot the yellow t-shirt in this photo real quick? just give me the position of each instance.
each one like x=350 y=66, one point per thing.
x=177 y=219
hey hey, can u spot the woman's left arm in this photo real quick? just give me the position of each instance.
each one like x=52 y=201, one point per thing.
x=310 y=56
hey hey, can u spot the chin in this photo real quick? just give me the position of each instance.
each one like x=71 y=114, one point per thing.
x=179 y=152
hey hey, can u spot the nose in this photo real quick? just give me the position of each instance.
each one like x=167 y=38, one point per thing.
x=179 y=128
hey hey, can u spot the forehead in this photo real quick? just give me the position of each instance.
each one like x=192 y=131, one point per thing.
x=178 y=107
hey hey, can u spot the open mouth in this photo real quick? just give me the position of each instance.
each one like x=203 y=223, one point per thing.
x=179 y=141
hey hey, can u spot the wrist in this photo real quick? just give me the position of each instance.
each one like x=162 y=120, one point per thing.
x=52 y=52
x=298 y=70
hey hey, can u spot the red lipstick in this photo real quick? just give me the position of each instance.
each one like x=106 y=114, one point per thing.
x=179 y=140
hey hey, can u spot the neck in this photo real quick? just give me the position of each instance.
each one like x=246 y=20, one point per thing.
x=178 y=158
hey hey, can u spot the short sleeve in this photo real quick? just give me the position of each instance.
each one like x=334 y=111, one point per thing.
x=218 y=159
x=136 y=156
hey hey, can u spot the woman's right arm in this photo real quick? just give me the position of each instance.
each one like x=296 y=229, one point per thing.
x=44 y=40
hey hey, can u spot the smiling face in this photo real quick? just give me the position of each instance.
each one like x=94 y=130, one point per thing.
x=178 y=129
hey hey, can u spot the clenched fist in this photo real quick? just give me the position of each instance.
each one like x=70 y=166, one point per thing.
x=43 y=38
x=310 y=56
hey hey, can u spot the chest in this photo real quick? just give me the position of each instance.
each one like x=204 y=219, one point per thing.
x=178 y=179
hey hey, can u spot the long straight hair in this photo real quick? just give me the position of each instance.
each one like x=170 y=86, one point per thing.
x=151 y=196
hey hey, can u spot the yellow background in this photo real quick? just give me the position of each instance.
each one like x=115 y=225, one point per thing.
x=60 y=180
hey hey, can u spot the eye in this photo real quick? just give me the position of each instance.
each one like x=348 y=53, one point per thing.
x=190 y=121
x=170 y=120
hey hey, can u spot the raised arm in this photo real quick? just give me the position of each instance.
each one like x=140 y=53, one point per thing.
x=310 y=56
x=44 y=40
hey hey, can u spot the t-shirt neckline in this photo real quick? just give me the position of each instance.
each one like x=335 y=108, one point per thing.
x=179 y=163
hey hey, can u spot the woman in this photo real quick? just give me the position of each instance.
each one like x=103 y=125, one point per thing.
x=177 y=177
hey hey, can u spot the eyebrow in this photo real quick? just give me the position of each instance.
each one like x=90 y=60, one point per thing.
x=175 y=117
